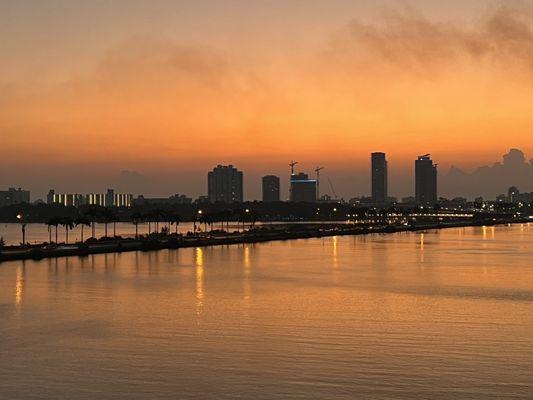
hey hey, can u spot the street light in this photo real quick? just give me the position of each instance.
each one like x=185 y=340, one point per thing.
x=247 y=211
x=199 y=212
x=20 y=218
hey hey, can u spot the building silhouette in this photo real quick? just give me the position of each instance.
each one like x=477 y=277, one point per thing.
x=425 y=180
x=379 y=177
x=108 y=199
x=50 y=196
x=302 y=189
x=270 y=188
x=14 y=196
x=225 y=184
x=175 y=199
x=513 y=194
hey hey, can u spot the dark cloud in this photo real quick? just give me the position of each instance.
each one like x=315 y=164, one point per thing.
x=407 y=39
x=145 y=59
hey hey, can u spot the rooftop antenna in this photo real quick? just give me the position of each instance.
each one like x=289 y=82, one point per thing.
x=317 y=170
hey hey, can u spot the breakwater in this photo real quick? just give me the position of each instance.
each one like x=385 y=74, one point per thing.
x=263 y=234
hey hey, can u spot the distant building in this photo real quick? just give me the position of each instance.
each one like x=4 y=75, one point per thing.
x=202 y=200
x=513 y=194
x=270 y=188
x=95 y=199
x=326 y=198
x=173 y=200
x=225 y=184
x=14 y=196
x=425 y=181
x=501 y=198
x=68 y=199
x=122 y=200
x=379 y=178
x=108 y=199
x=303 y=189
x=408 y=200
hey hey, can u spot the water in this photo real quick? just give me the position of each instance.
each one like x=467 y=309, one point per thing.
x=434 y=315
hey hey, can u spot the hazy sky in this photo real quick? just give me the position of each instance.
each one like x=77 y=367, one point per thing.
x=171 y=88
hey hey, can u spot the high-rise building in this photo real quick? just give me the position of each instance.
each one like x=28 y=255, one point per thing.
x=303 y=189
x=379 y=177
x=14 y=196
x=425 y=180
x=270 y=188
x=225 y=184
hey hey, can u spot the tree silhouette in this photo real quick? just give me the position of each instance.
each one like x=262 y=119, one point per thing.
x=108 y=216
x=93 y=214
x=136 y=218
x=82 y=221
x=68 y=223
x=175 y=219
x=55 y=221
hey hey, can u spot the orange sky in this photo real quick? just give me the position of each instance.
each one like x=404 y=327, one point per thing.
x=173 y=88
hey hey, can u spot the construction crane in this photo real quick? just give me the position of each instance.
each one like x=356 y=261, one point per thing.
x=292 y=164
x=317 y=170
x=332 y=189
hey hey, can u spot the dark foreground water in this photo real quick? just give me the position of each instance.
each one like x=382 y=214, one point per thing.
x=440 y=315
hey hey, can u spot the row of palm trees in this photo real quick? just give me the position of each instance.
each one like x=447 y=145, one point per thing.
x=68 y=223
x=154 y=218
x=107 y=217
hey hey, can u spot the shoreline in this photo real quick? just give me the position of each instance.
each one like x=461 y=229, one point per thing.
x=289 y=232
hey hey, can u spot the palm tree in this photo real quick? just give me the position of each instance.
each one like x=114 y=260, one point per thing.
x=92 y=214
x=54 y=221
x=204 y=219
x=136 y=219
x=82 y=221
x=227 y=216
x=174 y=219
x=108 y=216
x=68 y=223
x=159 y=215
x=115 y=219
x=148 y=217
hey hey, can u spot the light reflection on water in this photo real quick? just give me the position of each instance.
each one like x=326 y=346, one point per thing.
x=439 y=314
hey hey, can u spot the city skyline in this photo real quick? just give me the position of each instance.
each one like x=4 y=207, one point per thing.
x=513 y=170
x=265 y=89
x=225 y=183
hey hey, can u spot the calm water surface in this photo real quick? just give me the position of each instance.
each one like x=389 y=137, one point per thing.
x=439 y=315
